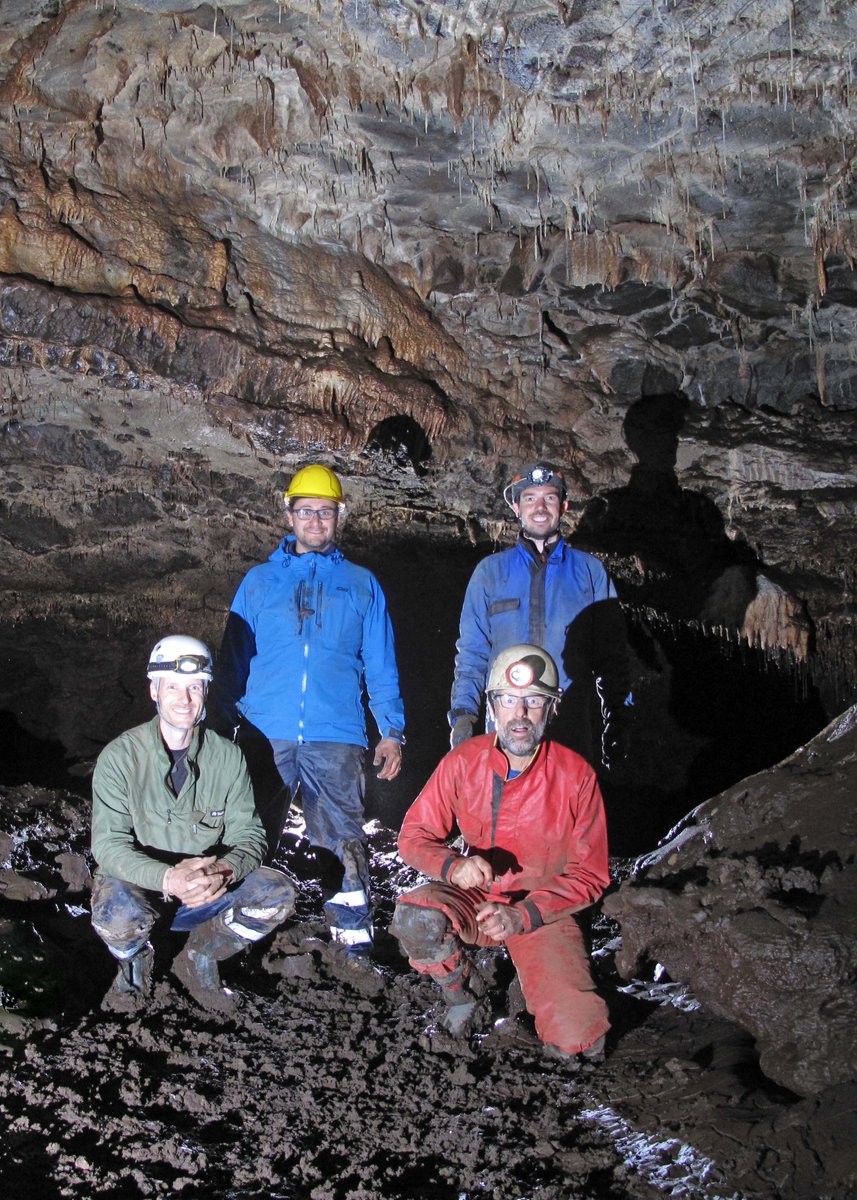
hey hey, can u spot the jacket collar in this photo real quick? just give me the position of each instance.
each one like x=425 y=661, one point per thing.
x=285 y=552
x=161 y=750
x=554 y=550
x=500 y=763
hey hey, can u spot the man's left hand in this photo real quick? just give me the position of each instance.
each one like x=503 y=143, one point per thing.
x=499 y=921
x=199 y=881
x=389 y=752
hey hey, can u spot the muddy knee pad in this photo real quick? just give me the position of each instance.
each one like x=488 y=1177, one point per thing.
x=121 y=916
x=262 y=902
x=424 y=934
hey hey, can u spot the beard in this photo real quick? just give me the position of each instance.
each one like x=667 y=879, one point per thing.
x=523 y=742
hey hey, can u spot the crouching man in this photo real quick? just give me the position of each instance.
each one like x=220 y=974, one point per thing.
x=532 y=820
x=173 y=820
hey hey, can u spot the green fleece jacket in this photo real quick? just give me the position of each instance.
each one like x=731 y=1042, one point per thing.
x=139 y=827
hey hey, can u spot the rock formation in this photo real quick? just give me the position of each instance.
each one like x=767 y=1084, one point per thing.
x=752 y=901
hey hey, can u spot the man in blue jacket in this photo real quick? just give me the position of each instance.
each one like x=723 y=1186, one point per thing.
x=544 y=592
x=306 y=632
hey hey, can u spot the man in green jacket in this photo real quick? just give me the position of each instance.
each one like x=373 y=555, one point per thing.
x=173 y=819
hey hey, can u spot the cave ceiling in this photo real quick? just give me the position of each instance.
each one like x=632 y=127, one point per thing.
x=425 y=242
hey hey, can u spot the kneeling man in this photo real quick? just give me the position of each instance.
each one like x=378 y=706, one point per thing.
x=173 y=819
x=532 y=820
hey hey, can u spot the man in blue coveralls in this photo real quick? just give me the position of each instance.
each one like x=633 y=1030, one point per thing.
x=543 y=591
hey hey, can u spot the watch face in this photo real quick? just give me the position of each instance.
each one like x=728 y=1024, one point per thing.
x=520 y=674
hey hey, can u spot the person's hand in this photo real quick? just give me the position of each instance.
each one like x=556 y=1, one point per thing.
x=499 y=921
x=198 y=881
x=472 y=872
x=462 y=729
x=389 y=752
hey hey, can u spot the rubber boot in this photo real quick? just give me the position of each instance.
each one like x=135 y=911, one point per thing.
x=458 y=1020
x=196 y=966
x=133 y=983
x=593 y=1055
x=463 y=1004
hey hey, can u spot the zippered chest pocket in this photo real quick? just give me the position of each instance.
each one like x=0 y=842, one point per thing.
x=212 y=820
x=341 y=625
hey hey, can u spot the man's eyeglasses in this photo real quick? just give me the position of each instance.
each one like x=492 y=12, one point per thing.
x=185 y=664
x=307 y=514
x=505 y=700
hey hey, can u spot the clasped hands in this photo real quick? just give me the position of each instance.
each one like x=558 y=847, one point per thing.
x=197 y=881
x=496 y=921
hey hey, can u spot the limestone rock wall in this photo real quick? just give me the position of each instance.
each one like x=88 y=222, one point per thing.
x=427 y=242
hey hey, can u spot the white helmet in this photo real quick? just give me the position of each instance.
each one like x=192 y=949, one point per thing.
x=527 y=668
x=181 y=655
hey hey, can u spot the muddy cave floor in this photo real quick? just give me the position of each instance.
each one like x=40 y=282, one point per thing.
x=335 y=1083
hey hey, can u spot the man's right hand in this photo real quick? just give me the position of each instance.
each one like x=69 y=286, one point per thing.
x=472 y=872
x=197 y=881
x=462 y=729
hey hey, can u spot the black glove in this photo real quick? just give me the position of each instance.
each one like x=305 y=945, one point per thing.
x=462 y=729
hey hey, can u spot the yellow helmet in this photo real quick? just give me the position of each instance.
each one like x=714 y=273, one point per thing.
x=317 y=483
x=526 y=668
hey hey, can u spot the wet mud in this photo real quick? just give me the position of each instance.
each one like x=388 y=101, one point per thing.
x=334 y=1082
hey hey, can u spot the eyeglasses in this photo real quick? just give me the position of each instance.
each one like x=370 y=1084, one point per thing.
x=505 y=700
x=185 y=664
x=307 y=514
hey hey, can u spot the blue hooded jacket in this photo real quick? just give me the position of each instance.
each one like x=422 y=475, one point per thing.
x=304 y=634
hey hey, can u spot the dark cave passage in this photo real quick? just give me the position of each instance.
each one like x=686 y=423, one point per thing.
x=707 y=712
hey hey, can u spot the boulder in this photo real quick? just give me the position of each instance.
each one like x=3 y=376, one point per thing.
x=751 y=900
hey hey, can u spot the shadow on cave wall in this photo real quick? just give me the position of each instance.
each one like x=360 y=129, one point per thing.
x=709 y=710
x=692 y=569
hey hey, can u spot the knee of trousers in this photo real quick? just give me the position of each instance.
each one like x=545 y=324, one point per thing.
x=572 y=1020
x=121 y=916
x=425 y=934
x=556 y=978
x=263 y=901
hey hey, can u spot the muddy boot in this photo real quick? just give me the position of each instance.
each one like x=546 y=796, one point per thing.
x=465 y=1008
x=592 y=1056
x=133 y=983
x=196 y=966
x=459 y=1019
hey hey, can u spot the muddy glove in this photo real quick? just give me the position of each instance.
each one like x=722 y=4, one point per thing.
x=462 y=729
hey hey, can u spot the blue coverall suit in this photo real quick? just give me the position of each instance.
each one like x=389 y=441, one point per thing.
x=565 y=602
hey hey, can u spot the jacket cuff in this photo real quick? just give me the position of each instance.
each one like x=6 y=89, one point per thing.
x=532 y=916
x=447 y=867
x=454 y=713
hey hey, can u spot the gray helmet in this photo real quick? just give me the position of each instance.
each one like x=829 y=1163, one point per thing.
x=527 y=669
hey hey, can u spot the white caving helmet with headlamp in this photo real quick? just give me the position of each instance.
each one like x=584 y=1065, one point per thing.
x=527 y=669
x=539 y=474
x=178 y=654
